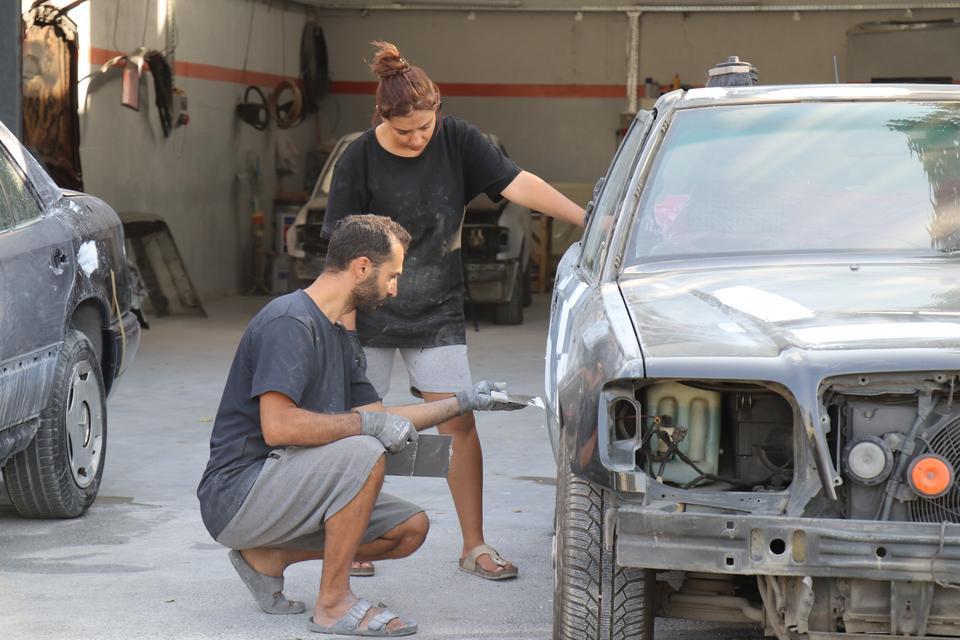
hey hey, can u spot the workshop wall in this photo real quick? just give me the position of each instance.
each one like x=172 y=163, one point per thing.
x=582 y=58
x=191 y=178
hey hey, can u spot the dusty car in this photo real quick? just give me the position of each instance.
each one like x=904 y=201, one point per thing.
x=752 y=369
x=68 y=333
x=495 y=252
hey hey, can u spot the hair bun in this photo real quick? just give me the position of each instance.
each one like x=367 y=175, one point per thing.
x=387 y=61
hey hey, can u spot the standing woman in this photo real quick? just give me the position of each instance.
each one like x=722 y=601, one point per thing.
x=421 y=169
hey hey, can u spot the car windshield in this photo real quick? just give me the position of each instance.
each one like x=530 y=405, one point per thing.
x=810 y=177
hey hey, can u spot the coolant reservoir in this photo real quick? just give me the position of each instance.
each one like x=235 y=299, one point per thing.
x=696 y=410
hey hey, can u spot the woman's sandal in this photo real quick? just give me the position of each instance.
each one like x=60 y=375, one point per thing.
x=349 y=624
x=469 y=564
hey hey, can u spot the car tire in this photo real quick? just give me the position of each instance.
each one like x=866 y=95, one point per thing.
x=58 y=474
x=511 y=311
x=594 y=598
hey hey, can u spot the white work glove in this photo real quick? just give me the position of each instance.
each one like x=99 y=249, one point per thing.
x=479 y=398
x=393 y=432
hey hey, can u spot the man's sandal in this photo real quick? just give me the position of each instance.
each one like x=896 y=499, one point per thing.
x=349 y=624
x=266 y=590
x=362 y=569
x=469 y=564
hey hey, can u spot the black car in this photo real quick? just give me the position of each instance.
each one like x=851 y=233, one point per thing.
x=68 y=332
x=753 y=369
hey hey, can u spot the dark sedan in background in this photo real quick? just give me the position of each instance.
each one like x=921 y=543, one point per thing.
x=753 y=367
x=67 y=332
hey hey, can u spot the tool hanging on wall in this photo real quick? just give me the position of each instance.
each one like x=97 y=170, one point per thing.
x=180 y=102
x=133 y=64
x=253 y=176
x=254 y=113
x=163 y=88
x=314 y=67
x=287 y=114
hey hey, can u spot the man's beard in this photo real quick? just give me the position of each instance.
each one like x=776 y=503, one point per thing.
x=366 y=296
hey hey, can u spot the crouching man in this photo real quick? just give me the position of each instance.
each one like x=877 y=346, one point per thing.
x=297 y=449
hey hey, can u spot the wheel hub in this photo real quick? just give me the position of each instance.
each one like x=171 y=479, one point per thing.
x=84 y=425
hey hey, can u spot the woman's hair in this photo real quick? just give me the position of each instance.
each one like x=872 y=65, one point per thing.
x=402 y=88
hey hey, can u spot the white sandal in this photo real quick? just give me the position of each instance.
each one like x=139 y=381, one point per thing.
x=469 y=564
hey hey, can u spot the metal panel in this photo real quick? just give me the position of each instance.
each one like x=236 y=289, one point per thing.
x=768 y=545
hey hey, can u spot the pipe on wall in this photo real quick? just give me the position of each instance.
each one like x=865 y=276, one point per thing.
x=515 y=7
x=633 y=61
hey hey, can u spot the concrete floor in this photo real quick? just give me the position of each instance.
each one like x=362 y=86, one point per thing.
x=141 y=565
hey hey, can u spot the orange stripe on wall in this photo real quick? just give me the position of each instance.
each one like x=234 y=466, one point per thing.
x=216 y=73
x=501 y=90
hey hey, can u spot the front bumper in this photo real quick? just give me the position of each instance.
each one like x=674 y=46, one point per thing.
x=784 y=546
x=491 y=282
x=485 y=271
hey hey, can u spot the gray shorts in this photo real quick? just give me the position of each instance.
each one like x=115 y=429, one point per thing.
x=300 y=487
x=434 y=369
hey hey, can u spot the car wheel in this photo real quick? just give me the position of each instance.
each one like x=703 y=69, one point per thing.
x=58 y=474
x=593 y=597
x=511 y=312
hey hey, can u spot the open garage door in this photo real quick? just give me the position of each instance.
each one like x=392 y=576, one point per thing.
x=904 y=51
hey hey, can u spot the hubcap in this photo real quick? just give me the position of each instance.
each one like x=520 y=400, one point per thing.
x=84 y=425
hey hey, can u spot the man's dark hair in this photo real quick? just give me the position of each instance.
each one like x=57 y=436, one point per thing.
x=360 y=236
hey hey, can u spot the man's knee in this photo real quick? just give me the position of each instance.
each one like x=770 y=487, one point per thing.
x=414 y=532
x=378 y=471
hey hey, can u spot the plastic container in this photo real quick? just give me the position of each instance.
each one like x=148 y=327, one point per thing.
x=696 y=410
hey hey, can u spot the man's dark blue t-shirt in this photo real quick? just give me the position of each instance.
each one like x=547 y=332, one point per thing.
x=292 y=348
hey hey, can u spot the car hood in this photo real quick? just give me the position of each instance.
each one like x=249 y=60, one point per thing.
x=762 y=310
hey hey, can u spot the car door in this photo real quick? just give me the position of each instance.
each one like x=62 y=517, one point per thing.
x=577 y=274
x=36 y=273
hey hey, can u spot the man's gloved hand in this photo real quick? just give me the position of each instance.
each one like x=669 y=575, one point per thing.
x=479 y=398
x=393 y=432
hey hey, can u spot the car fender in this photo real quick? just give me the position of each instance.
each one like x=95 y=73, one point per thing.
x=101 y=280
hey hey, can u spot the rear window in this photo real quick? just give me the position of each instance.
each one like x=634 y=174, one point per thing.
x=803 y=177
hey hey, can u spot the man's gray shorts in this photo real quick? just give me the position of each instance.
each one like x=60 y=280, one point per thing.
x=433 y=369
x=300 y=487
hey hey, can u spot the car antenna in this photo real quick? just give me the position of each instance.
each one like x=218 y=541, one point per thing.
x=836 y=70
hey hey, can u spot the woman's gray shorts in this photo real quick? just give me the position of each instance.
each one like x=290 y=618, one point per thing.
x=433 y=369
x=300 y=487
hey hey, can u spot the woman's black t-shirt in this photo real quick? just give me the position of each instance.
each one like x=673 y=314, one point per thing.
x=427 y=196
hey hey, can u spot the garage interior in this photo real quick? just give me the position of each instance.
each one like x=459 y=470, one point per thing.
x=209 y=183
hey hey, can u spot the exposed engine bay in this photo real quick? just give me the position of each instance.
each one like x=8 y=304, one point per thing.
x=894 y=439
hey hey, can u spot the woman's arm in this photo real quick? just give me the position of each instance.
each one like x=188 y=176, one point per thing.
x=530 y=191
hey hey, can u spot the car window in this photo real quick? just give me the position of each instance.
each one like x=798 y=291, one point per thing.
x=811 y=177
x=17 y=202
x=600 y=227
